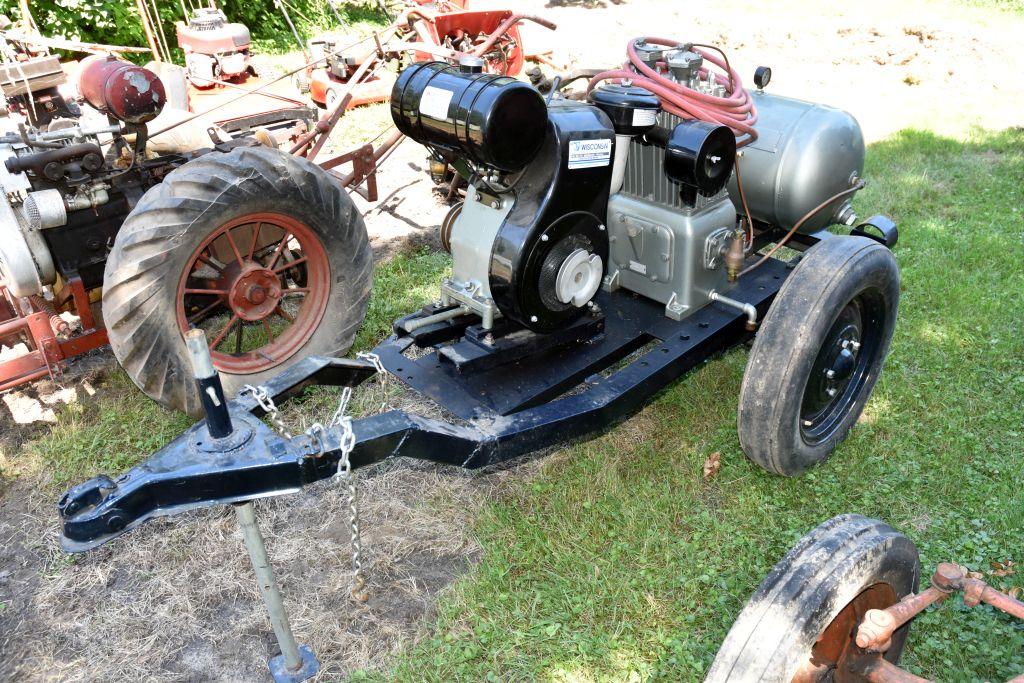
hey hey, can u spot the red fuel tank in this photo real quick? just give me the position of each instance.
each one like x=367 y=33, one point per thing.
x=125 y=91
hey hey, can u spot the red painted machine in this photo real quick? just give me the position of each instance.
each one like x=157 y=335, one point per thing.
x=72 y=185
x=215 y=49
x=326 y=83
x=427 y=31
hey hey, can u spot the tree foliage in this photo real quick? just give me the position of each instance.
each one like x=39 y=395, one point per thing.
x=116 y=22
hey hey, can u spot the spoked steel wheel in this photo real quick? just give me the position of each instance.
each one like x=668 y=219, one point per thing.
x=262 y=250
x=818 y=354
x=835 y=657
x=258 y=286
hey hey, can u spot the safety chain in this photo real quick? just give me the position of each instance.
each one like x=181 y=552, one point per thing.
x=344 y=474
x=267 y=404
x=374 y=359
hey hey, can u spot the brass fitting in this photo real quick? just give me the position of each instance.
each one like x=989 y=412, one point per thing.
x=735 y=255
x=438 y=169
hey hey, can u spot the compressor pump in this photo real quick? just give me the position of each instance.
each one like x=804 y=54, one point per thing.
x=635 y=188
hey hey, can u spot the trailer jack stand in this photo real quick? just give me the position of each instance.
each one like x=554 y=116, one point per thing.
x=296 y=662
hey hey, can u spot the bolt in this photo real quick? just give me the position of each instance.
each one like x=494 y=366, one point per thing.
x=831 y=374
x=877 y=624
x=494 y=205
x=831 y=392
x=533 y=318
x=544 y=238
x=601 y=227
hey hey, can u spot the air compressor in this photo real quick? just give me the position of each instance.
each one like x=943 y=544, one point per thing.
x=607 y=245
x=567 y=197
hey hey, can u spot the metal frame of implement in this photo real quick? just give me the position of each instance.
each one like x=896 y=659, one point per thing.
x=196 y=470
x=540 y=409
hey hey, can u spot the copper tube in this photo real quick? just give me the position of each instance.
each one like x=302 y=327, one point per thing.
x=796 y=226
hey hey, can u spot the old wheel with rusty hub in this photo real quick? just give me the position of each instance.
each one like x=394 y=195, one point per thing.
x=263 y=251
x=835 y=655
x=800 y=623
x=258 y=286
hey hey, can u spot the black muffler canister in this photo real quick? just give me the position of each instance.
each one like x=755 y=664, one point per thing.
x=492 y=121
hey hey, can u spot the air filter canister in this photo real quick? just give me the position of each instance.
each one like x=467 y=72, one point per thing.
x=492 y=121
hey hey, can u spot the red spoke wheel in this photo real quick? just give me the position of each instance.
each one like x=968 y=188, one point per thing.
x=800 y=623
x=260 y=307
x=262 y=250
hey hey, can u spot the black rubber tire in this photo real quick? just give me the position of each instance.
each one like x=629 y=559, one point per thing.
x=831 y=274
x=171 y=221
x=804 y=592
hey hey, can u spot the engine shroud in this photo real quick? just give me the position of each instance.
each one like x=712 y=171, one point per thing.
x=513 y=250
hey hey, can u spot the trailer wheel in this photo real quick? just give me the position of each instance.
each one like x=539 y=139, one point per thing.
x=261 y=249
x=818 y=354
x=800 y=623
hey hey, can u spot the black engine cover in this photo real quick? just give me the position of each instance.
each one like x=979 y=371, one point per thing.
x=561 y=195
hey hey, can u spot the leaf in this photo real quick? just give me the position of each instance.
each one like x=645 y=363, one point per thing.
x=1002 y=568
x=712 y=465
x=1015 y=592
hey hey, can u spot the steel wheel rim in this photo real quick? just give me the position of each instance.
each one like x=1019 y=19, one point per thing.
x=228 y=289
x=835 y=648
x=849 y=351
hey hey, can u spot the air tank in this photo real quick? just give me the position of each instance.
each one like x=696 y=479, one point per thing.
x=804 y=154
x=493 y=121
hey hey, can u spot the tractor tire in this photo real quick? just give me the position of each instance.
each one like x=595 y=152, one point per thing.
x=818 y=354
x=800 y=621
x=241 y=217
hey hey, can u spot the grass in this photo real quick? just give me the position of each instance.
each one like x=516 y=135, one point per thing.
x=620 y=562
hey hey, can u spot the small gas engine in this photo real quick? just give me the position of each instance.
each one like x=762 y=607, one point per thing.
x=215 y=49
x=67 y=174
x=634 y=189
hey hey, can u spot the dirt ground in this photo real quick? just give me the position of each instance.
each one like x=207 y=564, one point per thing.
x=176 y=600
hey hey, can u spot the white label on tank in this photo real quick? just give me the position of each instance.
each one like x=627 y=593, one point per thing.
x=434 y=102
x=645 y=117
x=589 y=153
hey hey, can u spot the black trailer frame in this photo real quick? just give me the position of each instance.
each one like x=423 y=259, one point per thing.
x=579 y=387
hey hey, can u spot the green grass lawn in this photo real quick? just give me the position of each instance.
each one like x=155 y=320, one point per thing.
x=620 y=562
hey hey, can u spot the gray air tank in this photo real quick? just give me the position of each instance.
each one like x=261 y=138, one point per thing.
x=804 y=154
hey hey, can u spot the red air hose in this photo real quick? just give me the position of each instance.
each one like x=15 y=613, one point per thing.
x=735 y=109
